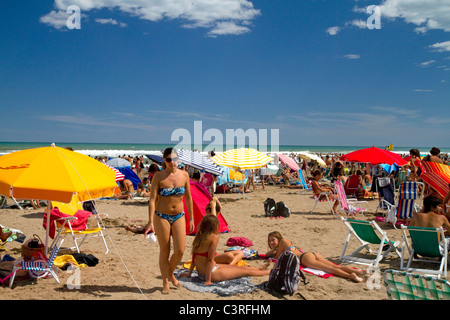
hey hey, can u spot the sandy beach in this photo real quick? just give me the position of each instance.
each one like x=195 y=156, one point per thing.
x=130 y=270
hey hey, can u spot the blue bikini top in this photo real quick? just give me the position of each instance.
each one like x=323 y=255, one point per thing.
x=168 y=192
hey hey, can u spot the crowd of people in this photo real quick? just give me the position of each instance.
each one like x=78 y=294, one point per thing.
x=166 y=185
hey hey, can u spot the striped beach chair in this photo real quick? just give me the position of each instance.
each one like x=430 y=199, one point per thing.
x=409 y=197
x=350 y=206
x=302 y=178
x=39 y=268
x=401 y=285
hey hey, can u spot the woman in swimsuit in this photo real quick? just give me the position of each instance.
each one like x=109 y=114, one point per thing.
x=204 y=251
x=166 y=215
x=318 y=189
x=230 y=257
x=313 y=260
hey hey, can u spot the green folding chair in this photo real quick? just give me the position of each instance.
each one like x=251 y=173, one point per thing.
x=368 y=233
x=401 y=285
x=425 y=246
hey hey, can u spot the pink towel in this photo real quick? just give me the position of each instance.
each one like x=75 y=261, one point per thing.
x=79 y=224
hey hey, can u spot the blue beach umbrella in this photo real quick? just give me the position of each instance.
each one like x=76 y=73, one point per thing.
x=159 y=160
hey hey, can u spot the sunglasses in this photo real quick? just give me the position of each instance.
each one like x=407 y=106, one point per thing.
x=174 y=159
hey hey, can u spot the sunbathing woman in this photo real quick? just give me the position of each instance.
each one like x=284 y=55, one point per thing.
x=313 y=260
x=203 y=253
x=166 y=214
x=230 y=257
x=318 y=189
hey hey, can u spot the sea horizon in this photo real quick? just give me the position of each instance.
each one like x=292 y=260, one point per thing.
x=96 y=149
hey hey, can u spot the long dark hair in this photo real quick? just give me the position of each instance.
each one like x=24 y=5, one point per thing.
x=207 y=226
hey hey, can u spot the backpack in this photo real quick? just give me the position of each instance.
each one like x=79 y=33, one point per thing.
x=89 y=206
x=285 y=276
x=269 y=207
x=282 y=210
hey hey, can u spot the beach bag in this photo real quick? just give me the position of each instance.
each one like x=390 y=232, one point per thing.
x=33 y=248
x=89 y=206
x=282 y=210
x=286 y=275
x=269 y=207
x=384 y=181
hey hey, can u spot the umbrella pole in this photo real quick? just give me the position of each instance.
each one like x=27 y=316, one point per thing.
x=47 y=231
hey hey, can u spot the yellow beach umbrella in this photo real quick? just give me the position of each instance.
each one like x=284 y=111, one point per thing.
x=311 y=156
x=242 y=159
x=53 y=173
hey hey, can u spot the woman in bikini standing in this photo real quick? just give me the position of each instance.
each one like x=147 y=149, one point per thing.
x=167 y=217
x=313 y=260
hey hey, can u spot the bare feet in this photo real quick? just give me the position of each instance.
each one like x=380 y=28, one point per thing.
x=175 y=282
x=355 y=278
x=166 y=287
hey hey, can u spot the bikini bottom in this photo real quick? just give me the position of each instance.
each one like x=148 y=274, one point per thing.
x=170 y=217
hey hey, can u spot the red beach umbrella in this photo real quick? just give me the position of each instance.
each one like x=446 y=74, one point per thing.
x=374 y=156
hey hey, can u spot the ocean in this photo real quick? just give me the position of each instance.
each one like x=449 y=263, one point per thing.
x=116 y=149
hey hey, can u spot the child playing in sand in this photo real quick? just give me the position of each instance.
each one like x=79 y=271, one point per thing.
x=204 y=251
x=313 y=260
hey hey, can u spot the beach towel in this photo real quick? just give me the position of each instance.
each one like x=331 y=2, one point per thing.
x=224 y=288
x=16 y=235
x=79 y=224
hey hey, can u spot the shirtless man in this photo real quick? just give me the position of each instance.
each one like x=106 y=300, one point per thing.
x=434 y=155
x=431 y=217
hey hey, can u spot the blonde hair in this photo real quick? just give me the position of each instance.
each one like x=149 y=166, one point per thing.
x=206 y=227
x=275 y=234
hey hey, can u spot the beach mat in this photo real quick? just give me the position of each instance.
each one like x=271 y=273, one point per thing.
x=223 y=288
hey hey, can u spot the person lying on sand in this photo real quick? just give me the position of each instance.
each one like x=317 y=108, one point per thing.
x=314 y=260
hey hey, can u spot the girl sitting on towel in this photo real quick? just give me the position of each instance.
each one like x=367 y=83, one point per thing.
x=313 y=260
x=204 y=251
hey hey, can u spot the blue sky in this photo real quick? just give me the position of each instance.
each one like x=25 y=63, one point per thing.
x=138 y=70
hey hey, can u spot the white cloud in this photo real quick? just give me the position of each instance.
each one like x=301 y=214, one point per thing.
x=220 y=16
x=426 y=14
x=229 y=27
x=441 y=46
x=427 y=63
x=332 y=31
x=110 y=21
x=423 y=90
x=86 y=120
x=56 y=19
x=362 y=24
x=352 y=56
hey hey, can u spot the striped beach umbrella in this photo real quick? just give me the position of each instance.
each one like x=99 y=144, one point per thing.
x=437 y=176
x=199 y=161
x=119 y=175
x=242 y=159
